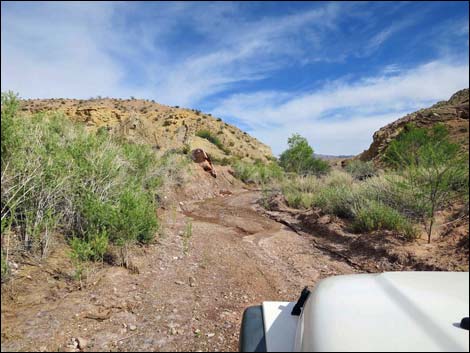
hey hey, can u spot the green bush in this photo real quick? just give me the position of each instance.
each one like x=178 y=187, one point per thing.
x=419 y=147
x=297 y=199
x=258 y=172
x=433 y=170
x=361 y=170
x=93 y=247
x=10 y=104
x=300 y=191
x=364 y=202
x=373 y=215
x=93 y=188
x=4 y=268
x=298 y=158
x=337 y=200
x=206 y=134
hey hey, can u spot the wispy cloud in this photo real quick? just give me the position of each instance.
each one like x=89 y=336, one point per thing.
x=271 y=67
x=341 y=116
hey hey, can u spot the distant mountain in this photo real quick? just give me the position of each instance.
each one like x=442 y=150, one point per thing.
x=454 y=114
x=160 y=126
x=327 y=157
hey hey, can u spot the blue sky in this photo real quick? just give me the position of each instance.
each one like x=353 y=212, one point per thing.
x=334 y=72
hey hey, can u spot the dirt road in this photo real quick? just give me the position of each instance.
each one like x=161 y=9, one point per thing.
x=216 y=258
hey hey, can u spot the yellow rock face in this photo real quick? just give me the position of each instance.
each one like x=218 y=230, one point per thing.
x=453 y=113
x=160 y=126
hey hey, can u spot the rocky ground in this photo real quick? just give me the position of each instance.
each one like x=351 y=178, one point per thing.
x=217 y=257
x=218 y=253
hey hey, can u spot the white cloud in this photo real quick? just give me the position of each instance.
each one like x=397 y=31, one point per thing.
x=52 y=50
x=340 y=117
x=85 y=49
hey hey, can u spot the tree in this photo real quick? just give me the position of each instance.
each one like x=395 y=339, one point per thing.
x=299 y=158
x=432 y=169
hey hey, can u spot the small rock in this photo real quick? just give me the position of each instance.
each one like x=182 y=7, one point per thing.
x=132 y=327
x=210 y=335
x=179 y=283
x=192 y=281
x=81 y=342
x=74 y=343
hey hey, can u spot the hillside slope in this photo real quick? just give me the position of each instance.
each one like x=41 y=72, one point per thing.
x=160 y=126
x=453 y=114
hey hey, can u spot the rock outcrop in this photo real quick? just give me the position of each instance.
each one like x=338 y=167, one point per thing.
x=160 y=126
x=454 y=114
x=199 y=156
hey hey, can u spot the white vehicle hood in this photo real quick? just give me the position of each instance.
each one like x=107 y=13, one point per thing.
x=406 y=311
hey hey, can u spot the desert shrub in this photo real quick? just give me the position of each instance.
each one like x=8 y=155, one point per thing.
x=206 y=134
x=414 y=146
x=258 y=172
x=223 y=161
x=433 y=170
x=337 y=178
x=297 y=199
x=385 y=189
x=373 y=215
x=93 y=247
x=10 y=105
x=186 y=149
x=300 y=191
x=337 y=200
x=361 y=170
x=56 y=177
x=298 y=158
x=4 y=268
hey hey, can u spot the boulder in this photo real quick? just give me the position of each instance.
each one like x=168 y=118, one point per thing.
x=199 y=156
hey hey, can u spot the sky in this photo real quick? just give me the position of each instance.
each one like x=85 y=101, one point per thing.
x=335 y=72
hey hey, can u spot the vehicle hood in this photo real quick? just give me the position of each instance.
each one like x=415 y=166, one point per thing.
x=402 y=311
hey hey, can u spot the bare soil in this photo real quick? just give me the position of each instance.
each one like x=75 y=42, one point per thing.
x=179 y=300
x=187 y=292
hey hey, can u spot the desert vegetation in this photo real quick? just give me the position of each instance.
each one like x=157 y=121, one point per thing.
x=95 y=190
x=206 y=134
x=423 y=173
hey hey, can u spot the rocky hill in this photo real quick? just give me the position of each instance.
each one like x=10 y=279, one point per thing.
x=160 y=126
x=454 y=114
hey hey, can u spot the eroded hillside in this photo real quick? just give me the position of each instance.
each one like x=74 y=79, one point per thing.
x=453 y=114
x=160 y=126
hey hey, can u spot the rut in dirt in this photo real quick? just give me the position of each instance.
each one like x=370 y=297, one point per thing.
x=190 y=292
